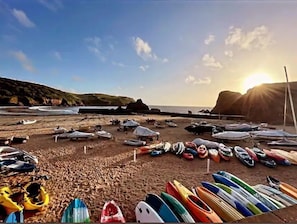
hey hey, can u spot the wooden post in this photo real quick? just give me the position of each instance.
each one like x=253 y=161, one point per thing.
x=85 y=149
x=134 y=155
x=208 y=165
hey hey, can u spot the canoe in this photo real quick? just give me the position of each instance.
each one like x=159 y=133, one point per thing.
x=199 y=210
x=225 y=152
x=228 y=198
x=35 y=197
x=221 y=207
x=76 y=212
x=263 y=158
x=243 y=157
x=214 y=155
x=234 y=186
x=253 y=208
x=176 y=206
x=158 y=204
x=172 y=190
x=111 y=213
x=251 y=153
x=279 y=159
x=249 y=189
x=276 y=194
x=284 y=187
x=134 y=142
x=7 y=202
x=202 y=151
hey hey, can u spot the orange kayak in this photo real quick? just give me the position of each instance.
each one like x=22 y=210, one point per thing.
x=171 y=189
x=284 y=187
x=199 y=210
x=214 y=155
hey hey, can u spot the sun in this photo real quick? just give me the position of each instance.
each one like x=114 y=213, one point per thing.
x=255 y=80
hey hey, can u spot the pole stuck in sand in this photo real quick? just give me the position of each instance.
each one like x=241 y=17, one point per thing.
x=56 y=138
x=134 y=155
x=208 y=165
x=85 y=149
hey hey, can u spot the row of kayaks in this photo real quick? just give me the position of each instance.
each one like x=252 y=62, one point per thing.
x=228 y=199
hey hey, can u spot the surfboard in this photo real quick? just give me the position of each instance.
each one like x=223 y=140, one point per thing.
x=249 y=189
x=76 y=211
x=146 y=214
x=157 y=203
x=15 y=217
x=179 y=210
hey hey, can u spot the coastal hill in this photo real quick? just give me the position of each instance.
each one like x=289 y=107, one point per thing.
x=264 y=103
x=20 y=93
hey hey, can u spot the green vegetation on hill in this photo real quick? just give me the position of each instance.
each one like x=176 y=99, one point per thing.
x=14 y=92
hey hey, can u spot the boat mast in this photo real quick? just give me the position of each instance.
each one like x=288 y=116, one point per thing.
x=291 y=100
x=285 y=107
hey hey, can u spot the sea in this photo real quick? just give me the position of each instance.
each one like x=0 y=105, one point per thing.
x=44 y=110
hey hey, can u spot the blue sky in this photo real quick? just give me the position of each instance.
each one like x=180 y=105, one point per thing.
x=164 y=52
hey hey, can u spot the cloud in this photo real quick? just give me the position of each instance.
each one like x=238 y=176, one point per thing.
x=23 y=59
x=53 y=5
x=57 y=55
x=94 y=46
x=209 y=39
x=144 y=67
x=143 y=49
x=165 y=60
x=76 y=78
x=210 y=61
x=22 y=18
x=259 y=38
x=192 y=80
x=120 y=64
x=229 y=53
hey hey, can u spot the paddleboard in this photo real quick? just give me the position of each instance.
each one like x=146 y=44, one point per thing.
x=146 y=214
x=15 y=217
x=76 y=212
x=157 y=203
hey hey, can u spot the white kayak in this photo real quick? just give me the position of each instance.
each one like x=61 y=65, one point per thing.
x=231 y=135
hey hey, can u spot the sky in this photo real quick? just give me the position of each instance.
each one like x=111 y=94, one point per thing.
x=174 y=52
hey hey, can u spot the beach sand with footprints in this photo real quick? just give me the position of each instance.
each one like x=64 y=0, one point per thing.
x=106 y=170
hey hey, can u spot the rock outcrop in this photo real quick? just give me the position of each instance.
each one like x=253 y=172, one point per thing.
x=264 y=103
x=138 y=106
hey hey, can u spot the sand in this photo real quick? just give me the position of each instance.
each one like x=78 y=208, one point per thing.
x=107 y=170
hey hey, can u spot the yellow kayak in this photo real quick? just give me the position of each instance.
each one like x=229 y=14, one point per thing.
x=35 y=197
x=7 y=202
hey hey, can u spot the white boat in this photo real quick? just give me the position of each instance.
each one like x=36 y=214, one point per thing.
x=272 y=134
x=209 y=144
x=104 y=134
x=59 y=130
x=240 y=127
x=27 y=121
x=232 y=135
x=283 y=142
x=134 y=142
x=130 y=123
x=75 y=135
x=171 y=124
x=8 y=152
x=141 y=131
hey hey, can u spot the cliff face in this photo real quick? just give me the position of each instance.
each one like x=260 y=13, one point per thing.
x=263 y=103
x=14 y=92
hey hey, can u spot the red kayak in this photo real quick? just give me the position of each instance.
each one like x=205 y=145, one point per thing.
x=252 y=153
x=111 y=213
x=172 y=190
x=188 y=156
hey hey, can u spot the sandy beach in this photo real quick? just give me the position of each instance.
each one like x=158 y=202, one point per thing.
x=107 y=170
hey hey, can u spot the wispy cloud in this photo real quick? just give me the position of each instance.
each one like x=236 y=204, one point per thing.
x=120 y=64
x=94 y=46
x=229 y=53
x=209 y=39
x=144 y=67
x=76 y=78
x=257 y=38
x=57 y=55
x=53 y=5
x=210 y=61
x=24 y=60
x=165 y=60
x=193 y=81
x=22 y=18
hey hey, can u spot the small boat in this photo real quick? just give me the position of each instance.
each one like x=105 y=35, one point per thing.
x=198 y=129
x=134 y=142
x=171 y=124
x=111 y=213
x=243 y=157
x=7 y=202
x=271 y=134
x=104 y=134
x=283 y=187
x=35 y=196
x=263 y=158
x=209 y=144
x=19 y=140
x=178 y=148
x=4 y=141
x=8 y=152
x=187 y=156
x=72 y=135
x=155 y=152
x=15 y=217
x=214 y=155
x=225 y=152
x=191 y=145
x=59 y=130
x=14 y=165
x=191 y=151
x=240 y=127
x=27 y=121
x=202 y=151
x=279 y=159
x=157 y=124
x=252 y=154
x=283 y=142
x=231 y=135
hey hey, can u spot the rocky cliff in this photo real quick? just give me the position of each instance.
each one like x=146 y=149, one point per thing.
x=14 y=92
x=264 y=103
